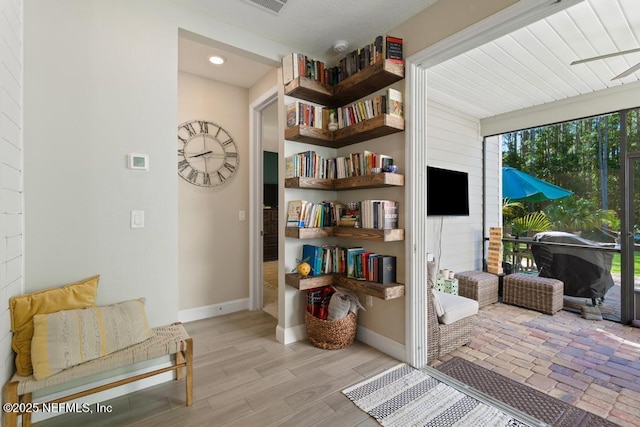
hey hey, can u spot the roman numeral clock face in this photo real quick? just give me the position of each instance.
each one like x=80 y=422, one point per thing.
x=207 y=154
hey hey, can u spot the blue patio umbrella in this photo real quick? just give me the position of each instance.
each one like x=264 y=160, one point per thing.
x=520 y=186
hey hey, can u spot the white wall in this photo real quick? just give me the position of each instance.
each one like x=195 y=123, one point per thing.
x=213 y=242
x=454 y=142
x=102 y=82
x=11 y=203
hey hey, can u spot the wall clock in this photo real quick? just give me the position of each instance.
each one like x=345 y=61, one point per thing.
x=207 y=154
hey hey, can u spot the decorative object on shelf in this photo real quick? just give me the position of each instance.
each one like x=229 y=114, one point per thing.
x=391 y=168
x=207 y=154
x=303 y=268
x=333 y=124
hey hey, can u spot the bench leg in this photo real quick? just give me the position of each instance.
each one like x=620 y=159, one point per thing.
x=10 y=395
x=26 y=417
x=179 y=360
x=189 y=382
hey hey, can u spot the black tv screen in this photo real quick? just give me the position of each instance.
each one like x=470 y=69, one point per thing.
x=447 y=192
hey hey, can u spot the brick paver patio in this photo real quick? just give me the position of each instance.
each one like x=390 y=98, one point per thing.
x=594 y=365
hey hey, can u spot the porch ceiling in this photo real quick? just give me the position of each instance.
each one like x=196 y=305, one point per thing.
x=531 y=66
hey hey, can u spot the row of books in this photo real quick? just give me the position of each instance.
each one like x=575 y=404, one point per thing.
x=309 y=164
x=374 y=214
x=303 y=214
x=317 y=116
x=379 y=214
x=301 y=113
x=354 y=262
x=390 y=103
x=297 y=65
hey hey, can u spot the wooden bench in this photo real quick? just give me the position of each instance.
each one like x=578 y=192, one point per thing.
x=167 y=340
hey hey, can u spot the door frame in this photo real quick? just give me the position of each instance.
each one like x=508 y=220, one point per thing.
x=511 y=18
x=627 y=244
x=255 y=195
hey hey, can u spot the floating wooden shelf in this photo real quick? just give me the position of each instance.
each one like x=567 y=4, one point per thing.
x=309 y=282
x=377 y=180
x=308 y=233
x=383 y=291
x=363 y=83
x=309 y=183
x=375 y=127
x=392 y=235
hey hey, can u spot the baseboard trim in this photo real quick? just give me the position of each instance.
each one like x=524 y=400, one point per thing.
x=292 y=334
x=207 y=311
x=386 y=345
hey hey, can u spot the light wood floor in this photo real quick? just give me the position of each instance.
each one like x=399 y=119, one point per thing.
x=244 y=377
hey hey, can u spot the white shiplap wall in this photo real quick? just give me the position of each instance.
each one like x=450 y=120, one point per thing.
x=454 y=142
x=11 y=223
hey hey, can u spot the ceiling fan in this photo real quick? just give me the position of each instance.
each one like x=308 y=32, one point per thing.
x=610 y=55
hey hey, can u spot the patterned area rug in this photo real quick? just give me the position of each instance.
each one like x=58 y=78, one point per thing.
x=539 y=405
x=403 y=396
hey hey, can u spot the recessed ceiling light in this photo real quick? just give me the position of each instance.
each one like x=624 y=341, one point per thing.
x=217 y=60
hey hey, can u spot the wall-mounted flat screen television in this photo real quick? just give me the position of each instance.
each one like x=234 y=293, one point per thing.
x=447 y=192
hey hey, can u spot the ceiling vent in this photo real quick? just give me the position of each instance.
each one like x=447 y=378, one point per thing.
x=272 y=6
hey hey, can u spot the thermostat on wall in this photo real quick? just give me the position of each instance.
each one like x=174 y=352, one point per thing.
x=138 y=161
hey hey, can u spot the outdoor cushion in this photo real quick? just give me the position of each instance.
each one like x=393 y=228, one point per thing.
x=455 y=307
x=70 y=337
x=23 y=307
x=436 y=302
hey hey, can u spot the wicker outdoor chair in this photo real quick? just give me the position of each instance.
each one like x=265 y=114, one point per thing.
x=443 y=338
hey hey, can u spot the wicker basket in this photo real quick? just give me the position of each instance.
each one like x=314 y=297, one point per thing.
x=331 y=334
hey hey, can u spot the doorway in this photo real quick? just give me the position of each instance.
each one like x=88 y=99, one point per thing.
x=264 y=137
x=270 y=216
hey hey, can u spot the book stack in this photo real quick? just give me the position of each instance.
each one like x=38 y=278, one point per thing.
x=297 y=65
x=494 y=264
x=389 y=103
x=349 y=214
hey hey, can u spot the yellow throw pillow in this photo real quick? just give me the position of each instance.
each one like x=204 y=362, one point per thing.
x=22 y=309
x=70 y=337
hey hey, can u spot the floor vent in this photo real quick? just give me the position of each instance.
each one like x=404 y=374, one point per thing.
x=271 y=6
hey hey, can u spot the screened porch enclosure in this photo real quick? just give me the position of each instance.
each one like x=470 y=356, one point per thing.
x=595 y=158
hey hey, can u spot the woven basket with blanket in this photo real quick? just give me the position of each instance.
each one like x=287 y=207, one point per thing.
x=335 y=328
